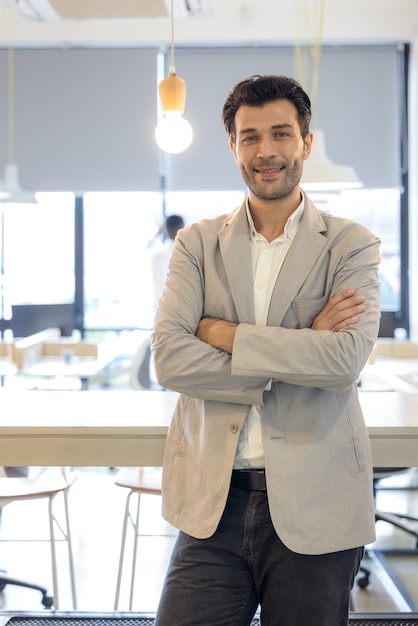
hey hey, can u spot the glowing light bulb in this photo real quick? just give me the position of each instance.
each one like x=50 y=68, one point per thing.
x=173 y=133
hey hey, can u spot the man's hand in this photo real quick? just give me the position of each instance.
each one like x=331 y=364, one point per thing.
x=341 y=311
x=217 y=333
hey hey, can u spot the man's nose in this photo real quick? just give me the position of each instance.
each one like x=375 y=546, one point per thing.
x=267 y=148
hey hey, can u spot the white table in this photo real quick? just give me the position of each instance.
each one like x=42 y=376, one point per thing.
x=392 y=374
x=128 y=428
x=89 y=428
x=7 y=367
x=83 y=368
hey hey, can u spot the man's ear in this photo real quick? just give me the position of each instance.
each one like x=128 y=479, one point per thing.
x=233 y=148
x=307 y=146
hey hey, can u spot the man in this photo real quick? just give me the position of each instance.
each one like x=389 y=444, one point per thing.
x=263 y=331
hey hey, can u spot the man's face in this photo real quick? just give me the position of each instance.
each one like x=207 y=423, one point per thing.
x=269 y=149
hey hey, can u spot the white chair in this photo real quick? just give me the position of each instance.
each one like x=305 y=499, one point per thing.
x=140 y=369
x=47 y=485
x=138 y=480
x=136 y=366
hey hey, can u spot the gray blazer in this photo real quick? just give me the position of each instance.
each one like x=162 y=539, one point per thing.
x=317 y=450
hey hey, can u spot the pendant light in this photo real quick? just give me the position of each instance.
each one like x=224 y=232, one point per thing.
x=173 y=133
x=4 y=194
x=11 y=186
x=319 y=172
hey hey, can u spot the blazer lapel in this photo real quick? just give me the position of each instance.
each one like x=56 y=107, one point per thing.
x=235 y=248
x=303 y=253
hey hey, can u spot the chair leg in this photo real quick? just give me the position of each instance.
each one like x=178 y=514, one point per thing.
x=67 y=537
x=135 y=527
x=53 y=553
x=70 y=550
x=122 y=550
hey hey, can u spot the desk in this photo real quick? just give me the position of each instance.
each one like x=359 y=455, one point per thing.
x=82 y=367
x=89 y=428
x=392 y=422
x=128 y=428
x=64 y=359
x=7 y=367
x=47 y=355
x=392 y=374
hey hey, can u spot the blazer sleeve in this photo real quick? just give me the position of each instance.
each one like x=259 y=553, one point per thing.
x=294 y=353
x=183 y=363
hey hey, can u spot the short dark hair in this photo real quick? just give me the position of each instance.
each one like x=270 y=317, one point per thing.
x=258 y=90
x=172 y=225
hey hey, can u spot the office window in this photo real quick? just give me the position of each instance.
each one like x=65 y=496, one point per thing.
x=196 y=205
x=119 y=231
x=38 y=254
x=379 y=210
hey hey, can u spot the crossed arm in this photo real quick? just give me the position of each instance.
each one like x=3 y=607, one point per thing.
x=341 y=311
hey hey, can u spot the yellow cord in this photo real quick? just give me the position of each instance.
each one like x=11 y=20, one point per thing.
x=306 y=55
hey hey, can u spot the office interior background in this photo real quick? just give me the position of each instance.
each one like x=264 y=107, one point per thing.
x=78 y=110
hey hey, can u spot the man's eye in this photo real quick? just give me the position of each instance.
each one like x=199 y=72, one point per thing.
x=249 y=139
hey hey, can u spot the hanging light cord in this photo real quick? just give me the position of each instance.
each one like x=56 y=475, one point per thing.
x=172 y=68
x=302 y=50
x=316 y=54
x=10 y=91
x=10 y=103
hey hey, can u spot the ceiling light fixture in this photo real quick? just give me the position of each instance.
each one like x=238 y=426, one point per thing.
x=173 y=133
x=4 y=194
x=319 y=172
x=14 y=192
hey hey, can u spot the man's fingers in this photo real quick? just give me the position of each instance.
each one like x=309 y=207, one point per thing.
x=340 y=311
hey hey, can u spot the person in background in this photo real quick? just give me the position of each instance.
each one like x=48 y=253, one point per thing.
x=161 y=258
x=266 y=321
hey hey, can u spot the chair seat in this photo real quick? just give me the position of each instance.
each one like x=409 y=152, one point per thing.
x=46 y=486
x=32 y=488
x=142 y=479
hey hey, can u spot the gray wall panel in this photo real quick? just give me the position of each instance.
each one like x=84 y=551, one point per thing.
x=84 y=119
x=357 y=108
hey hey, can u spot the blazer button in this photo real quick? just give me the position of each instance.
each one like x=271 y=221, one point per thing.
x=234 y=428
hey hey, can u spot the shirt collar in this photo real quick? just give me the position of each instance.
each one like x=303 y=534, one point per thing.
x=292 y=225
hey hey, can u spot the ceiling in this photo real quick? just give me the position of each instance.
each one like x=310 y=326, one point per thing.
x=56 y=10
x=122 y=23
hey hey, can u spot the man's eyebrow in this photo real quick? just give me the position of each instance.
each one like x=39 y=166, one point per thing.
x=246 y=131
x=280 y=126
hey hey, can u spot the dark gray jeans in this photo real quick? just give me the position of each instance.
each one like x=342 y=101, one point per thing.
x=222 y=580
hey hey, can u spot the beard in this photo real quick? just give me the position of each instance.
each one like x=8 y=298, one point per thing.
x=274 y=189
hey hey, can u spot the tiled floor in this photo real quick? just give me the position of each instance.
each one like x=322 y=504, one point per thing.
x=97 y=507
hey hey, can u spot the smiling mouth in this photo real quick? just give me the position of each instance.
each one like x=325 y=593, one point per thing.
x=268 y=172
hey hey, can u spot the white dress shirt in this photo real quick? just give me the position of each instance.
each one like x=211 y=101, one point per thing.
x=267 y=260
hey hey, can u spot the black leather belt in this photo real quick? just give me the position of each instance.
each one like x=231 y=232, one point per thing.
x=249 y=480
